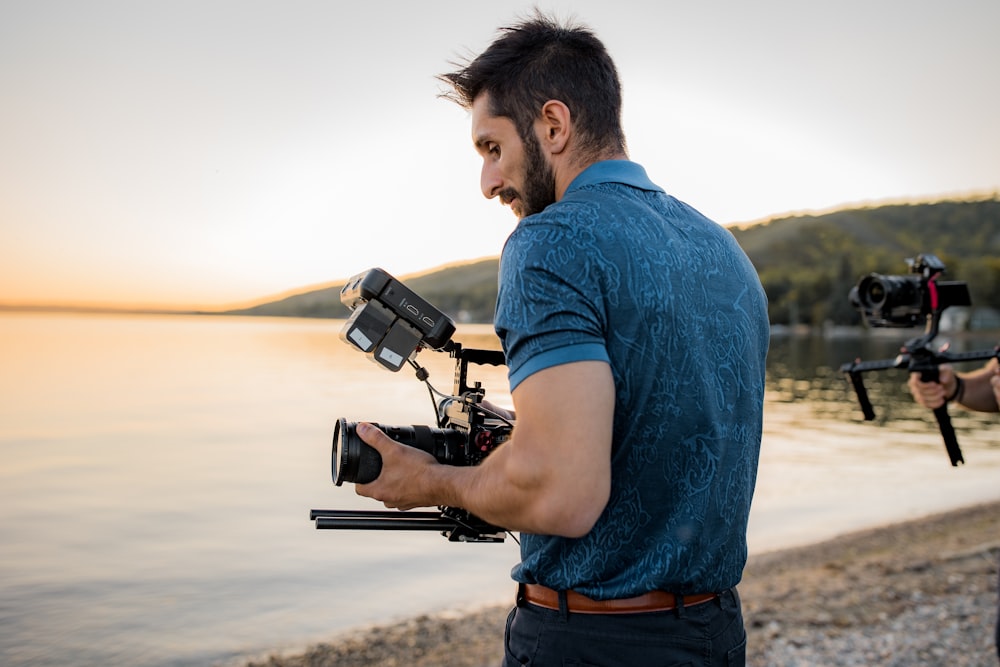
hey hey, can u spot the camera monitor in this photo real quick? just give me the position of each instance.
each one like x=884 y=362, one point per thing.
x=390 y=322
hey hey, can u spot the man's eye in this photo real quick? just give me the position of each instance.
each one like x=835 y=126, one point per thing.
x=493 y=149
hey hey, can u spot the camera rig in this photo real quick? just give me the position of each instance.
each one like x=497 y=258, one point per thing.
x=905 y=301
x=391 y=324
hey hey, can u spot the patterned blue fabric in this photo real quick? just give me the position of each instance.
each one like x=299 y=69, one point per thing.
x=619 y=271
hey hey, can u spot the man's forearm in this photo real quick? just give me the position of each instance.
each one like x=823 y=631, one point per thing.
x=512 y=493
x=978 y=393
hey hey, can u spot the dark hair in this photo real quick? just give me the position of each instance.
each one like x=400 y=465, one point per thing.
x=539 y=60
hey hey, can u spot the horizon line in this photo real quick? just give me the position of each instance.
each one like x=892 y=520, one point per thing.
x=94 y=306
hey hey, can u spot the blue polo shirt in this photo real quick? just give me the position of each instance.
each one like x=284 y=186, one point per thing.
x=621 y=272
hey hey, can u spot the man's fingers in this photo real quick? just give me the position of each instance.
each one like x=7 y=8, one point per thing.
x=373 y=436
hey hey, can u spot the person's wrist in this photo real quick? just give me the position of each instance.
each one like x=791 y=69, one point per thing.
x=956 y=395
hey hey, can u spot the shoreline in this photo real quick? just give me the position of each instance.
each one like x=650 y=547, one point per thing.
x=922 y=591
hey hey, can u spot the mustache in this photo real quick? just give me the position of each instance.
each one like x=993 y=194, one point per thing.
x=509 y=194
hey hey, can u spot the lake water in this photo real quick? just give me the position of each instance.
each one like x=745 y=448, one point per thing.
x=156 y=476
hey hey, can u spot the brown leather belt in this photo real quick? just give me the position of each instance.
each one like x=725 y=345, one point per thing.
x=581 y=604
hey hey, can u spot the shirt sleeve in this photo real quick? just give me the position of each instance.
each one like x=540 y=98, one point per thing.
x=550 y=308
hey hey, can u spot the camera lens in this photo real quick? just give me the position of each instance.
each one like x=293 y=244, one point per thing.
x=890 y=300
x=355 y=461
x=875 y=295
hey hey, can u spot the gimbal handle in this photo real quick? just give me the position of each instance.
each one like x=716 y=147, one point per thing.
x=944 y=420
x=917 y=358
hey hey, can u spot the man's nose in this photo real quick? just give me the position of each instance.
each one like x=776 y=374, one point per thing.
x=490 y=181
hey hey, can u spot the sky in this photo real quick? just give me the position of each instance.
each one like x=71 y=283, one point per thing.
x=209 y=153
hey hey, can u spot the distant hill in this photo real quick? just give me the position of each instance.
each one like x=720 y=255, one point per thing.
x=465 y=292
x=807 y=263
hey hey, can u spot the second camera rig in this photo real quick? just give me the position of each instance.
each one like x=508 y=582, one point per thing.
x=908 y=301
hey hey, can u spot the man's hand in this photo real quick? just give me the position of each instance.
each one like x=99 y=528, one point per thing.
x=399 y=485
x=932 y=395
x=981 y=388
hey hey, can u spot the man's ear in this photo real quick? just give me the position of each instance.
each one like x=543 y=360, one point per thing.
x=554 y=126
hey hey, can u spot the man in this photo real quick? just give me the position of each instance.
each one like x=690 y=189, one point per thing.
x=635 y=333
x=978 y=390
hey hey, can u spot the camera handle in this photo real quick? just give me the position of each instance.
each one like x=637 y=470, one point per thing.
x=927 y=366
x=917 y=357
x=464 y=356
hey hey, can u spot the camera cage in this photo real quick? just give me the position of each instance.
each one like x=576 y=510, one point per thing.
x=392 y=324
x=916 y=355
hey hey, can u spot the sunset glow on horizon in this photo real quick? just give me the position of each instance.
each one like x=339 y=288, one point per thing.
x=214 y=155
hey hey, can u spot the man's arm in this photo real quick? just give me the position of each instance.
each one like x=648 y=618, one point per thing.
x=553 y=476
x=979 y=390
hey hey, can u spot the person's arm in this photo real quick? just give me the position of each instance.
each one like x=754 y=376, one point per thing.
x=509 y=415
x=553 y=476
x=978 y=390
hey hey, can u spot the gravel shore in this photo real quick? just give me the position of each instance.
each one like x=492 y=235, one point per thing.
x=922 y=592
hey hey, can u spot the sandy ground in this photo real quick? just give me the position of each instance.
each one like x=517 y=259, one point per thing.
x=921 y=592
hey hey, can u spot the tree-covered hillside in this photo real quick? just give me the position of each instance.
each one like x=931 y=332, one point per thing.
x=806 y=263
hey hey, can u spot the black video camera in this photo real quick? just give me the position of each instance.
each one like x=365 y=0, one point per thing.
x=392 y=324
x=906 y=301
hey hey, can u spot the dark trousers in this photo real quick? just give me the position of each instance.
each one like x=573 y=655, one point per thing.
x=708 y=634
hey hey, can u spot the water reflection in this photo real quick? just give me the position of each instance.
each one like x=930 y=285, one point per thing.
x=159 y=470
x=806 y=370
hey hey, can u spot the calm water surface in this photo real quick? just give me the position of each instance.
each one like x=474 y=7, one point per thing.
x=156 y=474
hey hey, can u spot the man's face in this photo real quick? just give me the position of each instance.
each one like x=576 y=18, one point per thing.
x=514 y=170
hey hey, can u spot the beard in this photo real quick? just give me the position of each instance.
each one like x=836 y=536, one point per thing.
x=539 y=183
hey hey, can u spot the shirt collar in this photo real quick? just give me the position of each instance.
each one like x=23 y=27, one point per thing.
x=614 y=171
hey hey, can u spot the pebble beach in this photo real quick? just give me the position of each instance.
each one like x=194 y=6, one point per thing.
x=923 y=592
